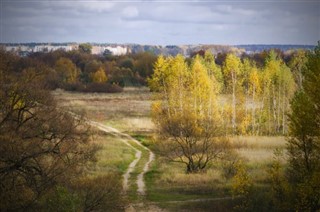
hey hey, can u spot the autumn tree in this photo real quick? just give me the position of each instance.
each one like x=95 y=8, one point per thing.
x=232 y=69
x=248 y=95
x=66 y=70
x=99 y=76
x=187 y=114
x=254 y=87
x=143 y=63
x=297 y=65
x=40 y=144
x=277 y=90
x=214 y=69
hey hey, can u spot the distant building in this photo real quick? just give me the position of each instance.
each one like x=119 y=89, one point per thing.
x=115 y=50
x=96 y=49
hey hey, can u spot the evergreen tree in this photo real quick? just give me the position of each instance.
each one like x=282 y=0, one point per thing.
x=304 y=138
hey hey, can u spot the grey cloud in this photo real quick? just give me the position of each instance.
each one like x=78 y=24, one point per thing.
x=161 y=22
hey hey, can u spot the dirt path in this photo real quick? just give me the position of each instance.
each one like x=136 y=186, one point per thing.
x=125 y=138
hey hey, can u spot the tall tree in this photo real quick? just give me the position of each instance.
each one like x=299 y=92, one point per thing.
x=187 y=114
x=99 y=76
x=304 y=138
x=254 y=87
x=85 y=48
x=214 y=69
x=40 y=144
x=278 y=88
x=66 y=70
x=232 y=68
x=297 y=64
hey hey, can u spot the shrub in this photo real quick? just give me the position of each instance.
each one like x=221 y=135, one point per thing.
x=93 y=87
x=102 y=193
x=103 y=88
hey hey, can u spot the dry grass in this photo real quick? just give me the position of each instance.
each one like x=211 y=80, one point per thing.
x=180 y=178
x=265 y=142
x=130 y=112
x=257 y=149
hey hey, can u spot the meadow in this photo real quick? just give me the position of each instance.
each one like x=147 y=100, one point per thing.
x=169 y=187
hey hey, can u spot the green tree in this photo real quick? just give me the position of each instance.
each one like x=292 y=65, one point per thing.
x=304 y=138
x=85 y=48
x=143 y=63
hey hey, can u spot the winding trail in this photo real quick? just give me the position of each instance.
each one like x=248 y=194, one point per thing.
x=125 y=138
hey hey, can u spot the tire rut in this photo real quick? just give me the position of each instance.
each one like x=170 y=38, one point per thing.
x=125 y=138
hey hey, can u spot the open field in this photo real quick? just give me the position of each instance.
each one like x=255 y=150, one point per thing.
x=167 y=184
x=127 y=111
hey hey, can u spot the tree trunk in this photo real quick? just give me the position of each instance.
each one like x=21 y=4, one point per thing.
x=233 y=102
x=253 y=110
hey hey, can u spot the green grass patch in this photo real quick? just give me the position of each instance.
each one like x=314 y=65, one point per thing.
x=144 y=139
x=114 y=155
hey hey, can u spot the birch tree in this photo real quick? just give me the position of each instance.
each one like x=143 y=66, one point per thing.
x=187 y=115
x=231 y=69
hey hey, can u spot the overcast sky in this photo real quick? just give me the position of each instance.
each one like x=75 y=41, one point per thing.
x=161 y=22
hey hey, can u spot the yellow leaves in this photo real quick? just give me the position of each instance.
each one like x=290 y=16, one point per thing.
x=66 y=70
x=245 y=124
x=232 y=65
x=186 y=91
x=19 y=104
x=255 y=83
x=242 y=185
x=156 y=83
x=99 y=76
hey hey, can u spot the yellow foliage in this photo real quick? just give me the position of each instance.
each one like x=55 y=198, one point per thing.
x=242 y=185
x=99 y=76
x=66 y=70
x=187 y=110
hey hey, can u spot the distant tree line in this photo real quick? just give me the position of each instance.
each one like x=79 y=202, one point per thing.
x=79 y=70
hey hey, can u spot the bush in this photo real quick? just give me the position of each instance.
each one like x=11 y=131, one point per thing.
x=229 y=165
x=102 y=193
x=74 y=87
x=62 y=200
x=103 y=88
x=93 y=87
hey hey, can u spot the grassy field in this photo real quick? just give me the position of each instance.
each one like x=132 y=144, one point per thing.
x=168 y=185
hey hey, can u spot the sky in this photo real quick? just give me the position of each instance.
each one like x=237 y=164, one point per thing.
x=161 y=22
